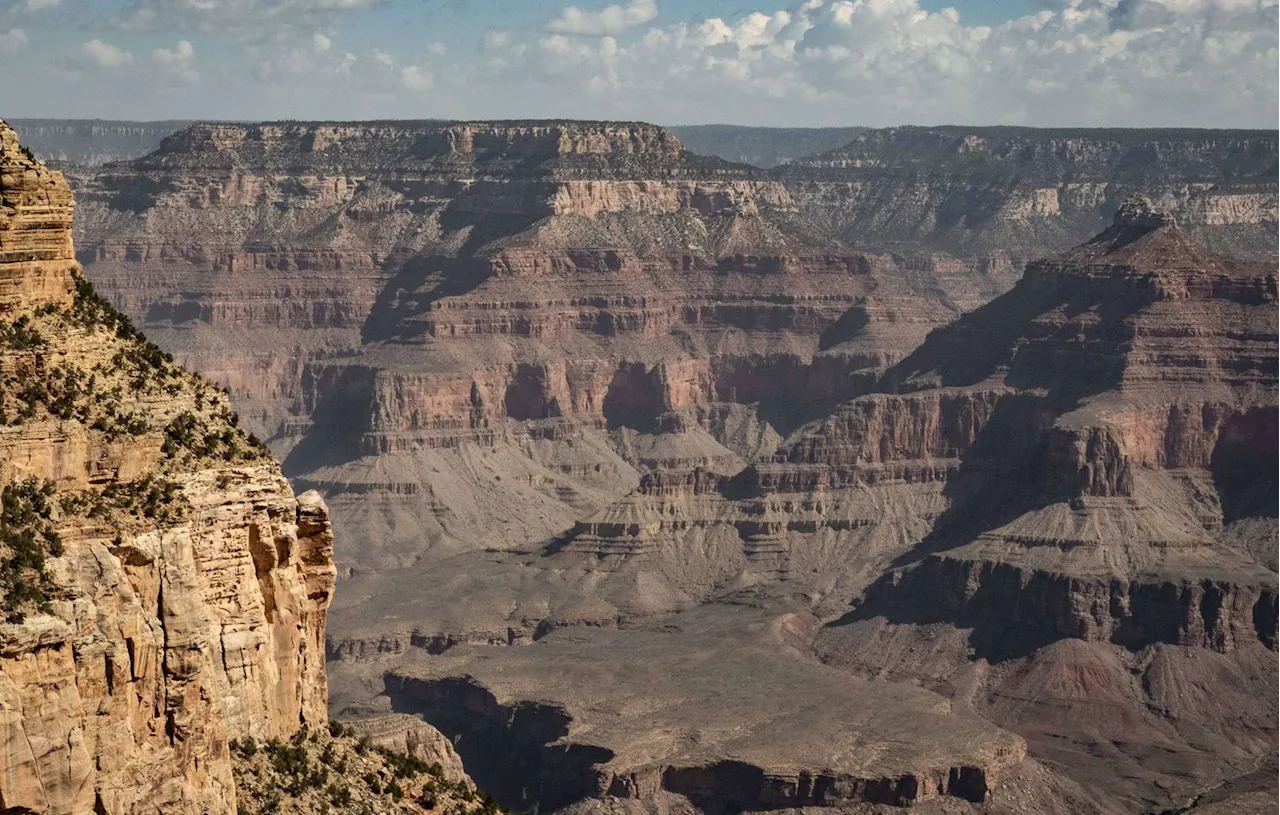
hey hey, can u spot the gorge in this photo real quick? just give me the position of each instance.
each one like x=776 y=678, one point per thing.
x=937 y=469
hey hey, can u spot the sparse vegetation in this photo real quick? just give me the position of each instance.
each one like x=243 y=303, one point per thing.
x=336 y=771
x=201 y=438
x=27 y=538
x=115 y=387
x=152 y=498
x=20 y=336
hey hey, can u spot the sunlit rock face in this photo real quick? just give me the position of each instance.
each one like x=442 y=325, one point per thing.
x=181 y=586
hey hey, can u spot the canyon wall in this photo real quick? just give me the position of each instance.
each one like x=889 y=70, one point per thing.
x=1030 y=191
x=571 y=389
x=164 y=590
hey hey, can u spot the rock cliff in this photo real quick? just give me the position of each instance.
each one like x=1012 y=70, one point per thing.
x=389 y=299
x=1029 y=191
x=163 y=589
x=592 y=383
x=1067 y=488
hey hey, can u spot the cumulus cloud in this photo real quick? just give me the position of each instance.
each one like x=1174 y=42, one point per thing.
x=609 y=20
x=179 y=61
x=416 y=79
x=1209 y=63
x=12 y=41
x=104 y=54
x=876 y=62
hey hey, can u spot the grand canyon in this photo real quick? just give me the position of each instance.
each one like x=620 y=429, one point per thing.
x=927 y=467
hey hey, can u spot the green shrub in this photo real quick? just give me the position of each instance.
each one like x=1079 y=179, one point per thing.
x=290 y=760
x=19 y=336
x=27 y=537
x=339 y=795
x=151 y=497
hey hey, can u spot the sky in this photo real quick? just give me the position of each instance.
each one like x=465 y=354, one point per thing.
x=1122 y=63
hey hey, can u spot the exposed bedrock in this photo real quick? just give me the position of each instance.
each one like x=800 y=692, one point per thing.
x=1038 y=190
x=1014 y=610
x=158 y=600
x=581 y=379
x=36 y=253
x=568 y=743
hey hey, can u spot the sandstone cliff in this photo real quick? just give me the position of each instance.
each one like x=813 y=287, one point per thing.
x=591 y=383
x=164 y=590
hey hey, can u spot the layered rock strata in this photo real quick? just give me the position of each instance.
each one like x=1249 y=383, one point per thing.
x=1029 y=192
x=1066 y=488
x=394 y=302
x=164 y=589
x=91 y=142
x=579 y=377
x=415 y=293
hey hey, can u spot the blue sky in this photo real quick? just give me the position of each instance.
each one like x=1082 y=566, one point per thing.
x=1210 y=63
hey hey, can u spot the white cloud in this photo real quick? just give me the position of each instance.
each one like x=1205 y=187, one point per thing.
x=877 y=62
x=38 y=5
x=180 y=61
x=105 y=55
x=416 y=79
x=309 y=57
x=12 y=42
x=495 y=38
x=609 y=20
x=1209 y=63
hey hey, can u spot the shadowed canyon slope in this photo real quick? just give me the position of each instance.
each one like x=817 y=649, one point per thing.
x=570 y=387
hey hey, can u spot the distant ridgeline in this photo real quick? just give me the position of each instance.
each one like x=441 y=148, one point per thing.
x=763 y=146
x=92 y=142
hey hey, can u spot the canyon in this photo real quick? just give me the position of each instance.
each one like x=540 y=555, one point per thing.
x=933 y=470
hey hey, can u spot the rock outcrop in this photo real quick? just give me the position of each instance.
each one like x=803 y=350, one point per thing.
x=164 y=590
x=36 y=253
x=586 y=380
x=516 y=293
x=401 y=295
